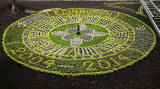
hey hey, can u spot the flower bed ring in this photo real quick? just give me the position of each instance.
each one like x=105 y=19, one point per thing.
x=48 y=41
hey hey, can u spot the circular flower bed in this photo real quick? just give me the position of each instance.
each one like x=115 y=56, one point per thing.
x=78 y=41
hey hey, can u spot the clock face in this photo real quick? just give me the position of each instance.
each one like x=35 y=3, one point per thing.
x=78 y=41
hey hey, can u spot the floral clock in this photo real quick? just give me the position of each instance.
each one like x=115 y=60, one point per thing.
x=78 y=41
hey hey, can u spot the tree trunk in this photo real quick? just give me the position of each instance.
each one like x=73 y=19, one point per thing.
x=14 y=7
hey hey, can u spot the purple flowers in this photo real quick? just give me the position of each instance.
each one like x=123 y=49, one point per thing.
x=71 y=30
x=87 y=37
x=89 y=31
x=68 y=37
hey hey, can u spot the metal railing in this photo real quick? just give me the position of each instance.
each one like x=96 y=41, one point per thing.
x=150 y=14
x=155 y=6
x=146 y=8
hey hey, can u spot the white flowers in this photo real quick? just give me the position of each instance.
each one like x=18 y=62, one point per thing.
x=59 y=33
x=76 y=42
x=82 y=27
x=140 y=28
x=99 y=33
x=21 y=24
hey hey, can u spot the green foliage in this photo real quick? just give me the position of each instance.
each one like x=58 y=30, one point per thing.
x=129 y=20
x=58 y=40
x=95 y=41
x=74 y=34
x=65 y=27
x=96 y=28
x=14 y=34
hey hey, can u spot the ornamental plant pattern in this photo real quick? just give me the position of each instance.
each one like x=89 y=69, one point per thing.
x=48 y=41
x=76 y=40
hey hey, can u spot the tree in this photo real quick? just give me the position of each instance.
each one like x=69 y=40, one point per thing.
x=14 y=7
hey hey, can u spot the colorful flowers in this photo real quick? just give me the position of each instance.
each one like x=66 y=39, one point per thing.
x=87 y=34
